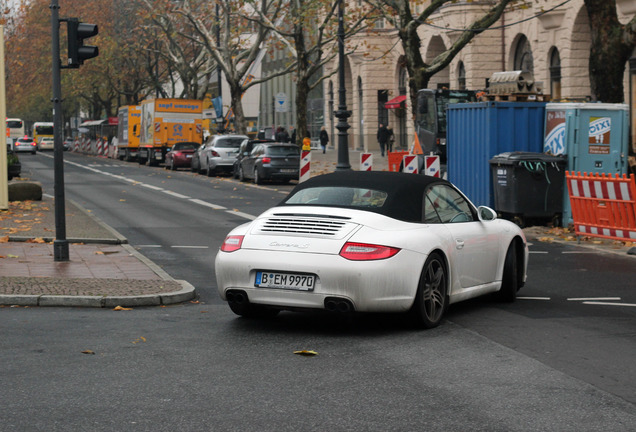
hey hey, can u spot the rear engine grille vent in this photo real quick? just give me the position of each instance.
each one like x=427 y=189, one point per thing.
x=302 y=226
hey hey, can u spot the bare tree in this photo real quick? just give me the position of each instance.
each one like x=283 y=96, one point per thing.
x=400 y=15
x=612 y=46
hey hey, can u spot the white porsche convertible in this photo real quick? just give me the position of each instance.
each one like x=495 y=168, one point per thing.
x=355 y=241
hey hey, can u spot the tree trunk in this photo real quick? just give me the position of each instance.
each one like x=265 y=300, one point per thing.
x=611 y=48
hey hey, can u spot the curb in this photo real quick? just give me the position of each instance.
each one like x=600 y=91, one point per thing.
x=186 y=293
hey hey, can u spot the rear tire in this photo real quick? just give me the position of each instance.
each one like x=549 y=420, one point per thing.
x=241 y=174
x=257 y=178
x=209 y=172
x=431 y=299
x=510 y=278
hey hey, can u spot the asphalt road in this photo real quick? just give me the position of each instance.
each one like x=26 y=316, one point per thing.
x=559 y=359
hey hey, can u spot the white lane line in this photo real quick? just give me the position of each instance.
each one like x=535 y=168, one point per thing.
x=175 y=194
x=241 y=214
x=609 y=304
x=595 y=299
x=538 y=252
x=148 y=246
x=578 y=252
x=207 y=204
x=149 y=186
x=533 y=298
x=190 y=247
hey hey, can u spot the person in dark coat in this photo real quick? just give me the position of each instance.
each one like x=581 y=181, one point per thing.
x=383 y=137
x=324 y=138
x=282 y=135
x=391 y=140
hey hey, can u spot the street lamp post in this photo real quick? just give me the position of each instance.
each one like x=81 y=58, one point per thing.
x=342 y=114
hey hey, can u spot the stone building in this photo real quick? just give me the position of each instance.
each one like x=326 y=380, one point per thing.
x=553 y=46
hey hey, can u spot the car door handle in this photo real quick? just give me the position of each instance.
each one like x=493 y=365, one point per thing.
x=459 y=244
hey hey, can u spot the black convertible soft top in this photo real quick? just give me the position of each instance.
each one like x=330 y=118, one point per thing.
x=405 y=191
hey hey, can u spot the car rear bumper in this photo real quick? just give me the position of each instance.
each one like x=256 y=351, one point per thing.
x=371 y=286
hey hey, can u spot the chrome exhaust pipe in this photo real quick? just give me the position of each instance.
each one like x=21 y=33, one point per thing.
x=237 y=297
x=339 y=305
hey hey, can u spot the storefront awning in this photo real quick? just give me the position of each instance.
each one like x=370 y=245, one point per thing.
x=396 y=102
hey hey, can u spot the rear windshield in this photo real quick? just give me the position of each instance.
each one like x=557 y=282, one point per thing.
x=229 y=142
x=25 y=140
x=283 y=150
x=339 y=196
x=14 y=124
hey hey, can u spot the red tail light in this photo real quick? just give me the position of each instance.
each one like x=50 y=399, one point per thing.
x=232 y=243
x=266 y=159
x=215 y=153
x=367 y=252
x=178 y=153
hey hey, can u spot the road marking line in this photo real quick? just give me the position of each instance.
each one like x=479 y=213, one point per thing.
x=175 y=194
x=594 y=298
x=149 y=186
x=610 y=304
x=533 y=298
x=207 y=204
x=190 y=247
x=241 y=214
x=148 y=246
x=539 y=252
x=578 y=252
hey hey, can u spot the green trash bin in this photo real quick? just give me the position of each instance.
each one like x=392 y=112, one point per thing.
x=528 y=186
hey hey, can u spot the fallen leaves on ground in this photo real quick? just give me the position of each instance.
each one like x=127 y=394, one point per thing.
x=306 y=353
x=36 y=240
x=88 y=352
x=121 y=308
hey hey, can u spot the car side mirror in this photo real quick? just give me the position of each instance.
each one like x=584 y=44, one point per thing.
x=486 y=213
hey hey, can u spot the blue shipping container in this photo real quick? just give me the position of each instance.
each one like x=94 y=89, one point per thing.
x=478 y=131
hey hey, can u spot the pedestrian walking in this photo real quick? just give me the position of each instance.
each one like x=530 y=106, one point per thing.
x=293 y=134
x=324 y=138
x=282 y=135
x=383 y=137
x=391 y=140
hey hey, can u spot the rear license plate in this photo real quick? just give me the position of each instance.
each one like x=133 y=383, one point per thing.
x=188 y=156
x=290 y=281
x=288 y=171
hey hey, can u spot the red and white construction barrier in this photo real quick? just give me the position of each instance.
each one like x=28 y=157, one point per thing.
x=366 y=161
x=305 y=166
x=100 y=147
x=76 y=145
x=432 y=166
x=410 y=164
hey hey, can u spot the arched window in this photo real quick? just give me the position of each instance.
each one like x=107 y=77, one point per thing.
x=555 y=74
x=461 y=76
x=403 y=81
x=523 y=56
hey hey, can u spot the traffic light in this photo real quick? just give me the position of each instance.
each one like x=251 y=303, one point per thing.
x=77 y=51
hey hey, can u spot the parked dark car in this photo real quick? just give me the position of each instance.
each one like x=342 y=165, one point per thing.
x=271 y=161
x=14 y=167
x=180 y=155
x=217 y=154
x=244 y=150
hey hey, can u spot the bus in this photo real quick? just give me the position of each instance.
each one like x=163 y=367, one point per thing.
x=42 y=130
x=15 y=128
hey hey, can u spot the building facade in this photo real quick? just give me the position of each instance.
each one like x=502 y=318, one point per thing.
x=553 y=46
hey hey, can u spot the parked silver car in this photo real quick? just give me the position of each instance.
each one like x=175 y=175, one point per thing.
x=217 y=154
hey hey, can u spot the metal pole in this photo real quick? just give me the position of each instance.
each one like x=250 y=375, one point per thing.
x=60 y=245
x=342 y=114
